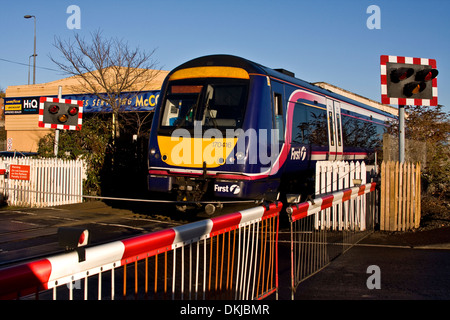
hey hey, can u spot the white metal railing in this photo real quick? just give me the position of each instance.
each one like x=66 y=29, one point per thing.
x=41 y=182
x=313 y=246
x=332 y=176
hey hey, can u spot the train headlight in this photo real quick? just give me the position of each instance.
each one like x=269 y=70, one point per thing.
x=240 y=156
x=154 y=153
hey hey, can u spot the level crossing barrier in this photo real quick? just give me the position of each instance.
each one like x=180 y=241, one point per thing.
x=234 y=256
x=316 y=241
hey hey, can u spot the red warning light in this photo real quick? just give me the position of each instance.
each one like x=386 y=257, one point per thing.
x=426 y=74
x=400 y=74
x=53 y=109
x=72 y=111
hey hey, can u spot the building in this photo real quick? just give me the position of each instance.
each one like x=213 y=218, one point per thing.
x=21 y=107
x=2 y=124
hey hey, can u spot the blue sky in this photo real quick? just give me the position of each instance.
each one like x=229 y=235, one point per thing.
x=320 y=40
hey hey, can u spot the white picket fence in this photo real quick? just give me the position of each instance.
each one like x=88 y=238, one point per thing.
x=333 y=176
x=41 y=182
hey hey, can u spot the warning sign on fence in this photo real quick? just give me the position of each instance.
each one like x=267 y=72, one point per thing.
x=19 y=172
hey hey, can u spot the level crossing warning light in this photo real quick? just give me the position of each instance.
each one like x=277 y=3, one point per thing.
x=62 y=114
x=408 y=81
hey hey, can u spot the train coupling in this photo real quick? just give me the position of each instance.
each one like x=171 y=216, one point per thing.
x=210 y=208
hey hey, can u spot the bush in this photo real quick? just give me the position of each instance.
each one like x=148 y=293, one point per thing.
x=437 y=172
x=92 y=144
x=431 y=125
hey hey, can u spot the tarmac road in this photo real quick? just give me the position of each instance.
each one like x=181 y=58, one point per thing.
x=409 y=266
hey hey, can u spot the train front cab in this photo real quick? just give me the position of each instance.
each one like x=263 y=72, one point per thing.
x=212 y=134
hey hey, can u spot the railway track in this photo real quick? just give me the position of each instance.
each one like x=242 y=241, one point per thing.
x=31 y=233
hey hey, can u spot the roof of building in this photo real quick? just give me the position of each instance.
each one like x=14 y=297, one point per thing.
x=357 y=97
x=71 y=85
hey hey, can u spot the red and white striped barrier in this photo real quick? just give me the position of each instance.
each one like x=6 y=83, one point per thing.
x=308 y=208
x=61 y=269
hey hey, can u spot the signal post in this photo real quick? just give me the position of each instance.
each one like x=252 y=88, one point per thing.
x=57 y=113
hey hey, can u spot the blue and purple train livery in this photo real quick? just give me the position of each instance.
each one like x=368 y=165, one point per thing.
x=228 y=128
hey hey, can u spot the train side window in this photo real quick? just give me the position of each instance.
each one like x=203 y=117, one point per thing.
x=360 y=133
x=310 y=125
x=278 y=113
x=331 y=122
x=338 y=127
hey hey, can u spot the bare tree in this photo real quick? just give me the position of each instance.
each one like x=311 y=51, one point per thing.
x=107 y=68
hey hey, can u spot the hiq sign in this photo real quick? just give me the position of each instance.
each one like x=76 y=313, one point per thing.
x=29 y=105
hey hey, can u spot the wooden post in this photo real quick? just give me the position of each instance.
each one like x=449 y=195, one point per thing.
x=418 y=197
x=383 y=197
x=394 y=173
x=401 y=196
x=409 y=204
x=391 y=195
x=400 y=204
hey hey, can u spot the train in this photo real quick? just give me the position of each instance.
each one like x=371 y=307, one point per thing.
x=228 y=129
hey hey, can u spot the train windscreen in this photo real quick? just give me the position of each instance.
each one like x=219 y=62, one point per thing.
x=218 y=104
